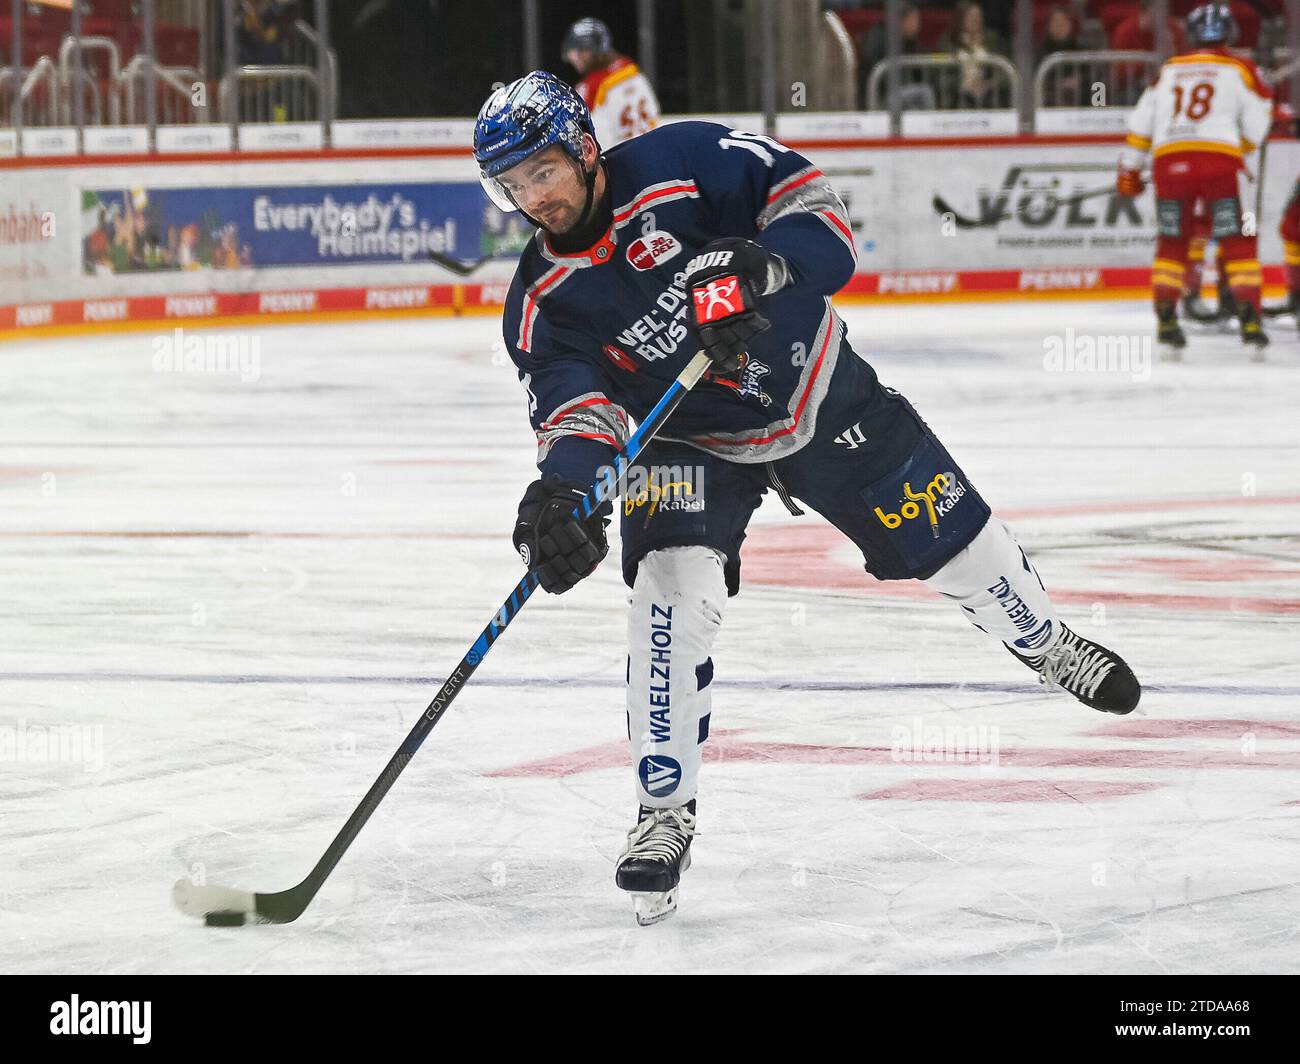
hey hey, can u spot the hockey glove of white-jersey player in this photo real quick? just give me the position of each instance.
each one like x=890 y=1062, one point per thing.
x=549 y=539
x=725 y=280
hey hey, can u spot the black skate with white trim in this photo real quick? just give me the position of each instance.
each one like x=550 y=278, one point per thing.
x=658 y=852
x=1097 y=677
x=1169 y=334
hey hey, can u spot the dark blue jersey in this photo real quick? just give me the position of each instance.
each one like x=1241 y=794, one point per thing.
x=599 y=336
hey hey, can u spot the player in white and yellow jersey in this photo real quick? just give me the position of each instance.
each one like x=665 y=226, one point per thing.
x=1206 y=111
x=616 y=92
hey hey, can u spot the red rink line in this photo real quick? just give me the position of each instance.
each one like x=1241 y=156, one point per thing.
x=833 y=576
x=1219 y=570
x=723 y=748
x=1141 y=506
x=817 y=556
x=767 y=568
x=1006 y=791
x=1223 y=728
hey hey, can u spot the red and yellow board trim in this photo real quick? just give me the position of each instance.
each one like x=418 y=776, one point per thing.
x=297 y=305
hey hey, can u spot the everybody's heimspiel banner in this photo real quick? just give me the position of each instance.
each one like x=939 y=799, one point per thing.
x=157 y=229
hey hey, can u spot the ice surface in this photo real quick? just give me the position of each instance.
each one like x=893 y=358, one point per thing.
x=237 y=596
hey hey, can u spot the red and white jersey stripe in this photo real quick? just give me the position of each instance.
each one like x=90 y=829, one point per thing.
x=548 y=282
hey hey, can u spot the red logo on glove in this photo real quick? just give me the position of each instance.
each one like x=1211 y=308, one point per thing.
x=718 y=299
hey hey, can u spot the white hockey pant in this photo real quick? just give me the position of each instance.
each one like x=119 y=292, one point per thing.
x=675 y=613
x=1000 y=592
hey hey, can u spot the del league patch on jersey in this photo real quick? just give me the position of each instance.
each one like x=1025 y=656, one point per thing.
x=646 y=252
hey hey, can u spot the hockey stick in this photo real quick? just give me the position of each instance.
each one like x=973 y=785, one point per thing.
x=227 y=907
x=1209 y=317
x=456 y=266
x=1000 y=215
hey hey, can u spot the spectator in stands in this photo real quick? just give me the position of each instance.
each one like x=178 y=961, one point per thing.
x=877 y=44
x=261 y=30
x=974 y=44
x=1060 y=34
x=1064 y=87
x=1138 y=33
x=914 y=94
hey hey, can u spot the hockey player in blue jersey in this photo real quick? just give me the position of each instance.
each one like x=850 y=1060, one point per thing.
x=696 y=236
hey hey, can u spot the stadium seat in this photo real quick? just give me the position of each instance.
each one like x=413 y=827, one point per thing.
x=119 y=10
x=176 y=45
x=934 y=24
x=1112 y=13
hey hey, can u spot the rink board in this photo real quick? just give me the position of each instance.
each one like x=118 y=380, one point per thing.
x=87 y=241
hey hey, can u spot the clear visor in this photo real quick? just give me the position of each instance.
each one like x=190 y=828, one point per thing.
x=497 y=194
x=533 y=180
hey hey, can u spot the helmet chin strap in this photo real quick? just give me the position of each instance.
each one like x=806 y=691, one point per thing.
x=589 y=177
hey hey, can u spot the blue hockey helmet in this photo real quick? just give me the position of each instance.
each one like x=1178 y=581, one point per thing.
x=1212 y=24
x=587 y=35
x=523 y=118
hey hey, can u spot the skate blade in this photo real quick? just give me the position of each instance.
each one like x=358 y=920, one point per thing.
x=652 y=907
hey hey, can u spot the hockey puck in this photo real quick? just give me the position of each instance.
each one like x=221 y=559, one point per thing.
x=227 y=918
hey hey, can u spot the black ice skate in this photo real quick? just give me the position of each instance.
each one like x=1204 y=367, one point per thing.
x=1097 y=677
x=658 y=852
x=1169 y=334
x=1227 y=304
x=1252 y=332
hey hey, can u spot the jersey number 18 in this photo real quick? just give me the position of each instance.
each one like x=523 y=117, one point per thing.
x=1198 y=105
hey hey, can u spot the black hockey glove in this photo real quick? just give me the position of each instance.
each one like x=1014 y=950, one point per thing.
x=725 y=280
x=548 y=538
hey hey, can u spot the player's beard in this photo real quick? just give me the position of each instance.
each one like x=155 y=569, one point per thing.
x=567 y=219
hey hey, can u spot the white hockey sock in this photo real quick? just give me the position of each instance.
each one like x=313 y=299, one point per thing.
x=1000 y=592
x=675 y=613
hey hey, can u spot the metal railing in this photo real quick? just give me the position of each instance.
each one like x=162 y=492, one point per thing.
x=81 y=88
x=303 y=48
x=68 y=49
x=839 y=64
x=271 y=94
x=945 y=83
x=1093 y=79
x=11 y=86
x=37 y=93
x=176 y=99
x=72 y=71
x=85 y=83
